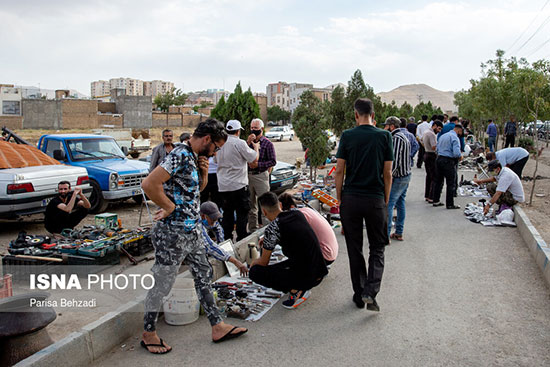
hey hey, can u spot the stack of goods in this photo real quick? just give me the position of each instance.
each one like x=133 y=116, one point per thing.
x=474 y=212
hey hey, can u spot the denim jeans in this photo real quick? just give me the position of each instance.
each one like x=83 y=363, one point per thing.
x=398 y=192
x=492 y=140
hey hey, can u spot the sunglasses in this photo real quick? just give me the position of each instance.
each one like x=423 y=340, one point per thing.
x=216 y=147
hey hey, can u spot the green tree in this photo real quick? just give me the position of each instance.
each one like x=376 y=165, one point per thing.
x=276 y=114
x=174 y=97
x=337 y=111
x=357 y=88
x=310 y=121
x=218 y=111
x=406 y=110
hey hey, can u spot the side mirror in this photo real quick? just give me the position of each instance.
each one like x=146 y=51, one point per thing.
x=125 y=150
x=59 y=155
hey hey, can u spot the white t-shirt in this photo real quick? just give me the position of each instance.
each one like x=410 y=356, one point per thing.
x=421 y=129
x=509 y=181
x=232 y=162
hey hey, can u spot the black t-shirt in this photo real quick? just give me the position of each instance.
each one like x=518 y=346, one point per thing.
x=365 y=148
x=55 y=218
x=299 y=243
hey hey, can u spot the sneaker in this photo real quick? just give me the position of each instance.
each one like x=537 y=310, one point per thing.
x=296 y=299
x=371 y=303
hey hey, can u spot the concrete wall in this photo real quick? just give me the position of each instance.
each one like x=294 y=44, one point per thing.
x=41 y=114
x=79 y=114
x=192 y=120
x=11 y=122
x=106 y=107
x=136 y=110
x=108 y=119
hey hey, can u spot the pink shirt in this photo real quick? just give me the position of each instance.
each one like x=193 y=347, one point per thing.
x=323 y=231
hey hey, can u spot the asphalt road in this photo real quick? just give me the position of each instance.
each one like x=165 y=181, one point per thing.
x=454 y=293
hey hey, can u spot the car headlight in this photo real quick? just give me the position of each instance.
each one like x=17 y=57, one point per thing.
x=113 y=181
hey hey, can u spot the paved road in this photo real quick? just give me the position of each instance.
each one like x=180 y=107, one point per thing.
x=454 y=293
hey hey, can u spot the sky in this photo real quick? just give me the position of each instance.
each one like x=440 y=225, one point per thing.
x=201 y=44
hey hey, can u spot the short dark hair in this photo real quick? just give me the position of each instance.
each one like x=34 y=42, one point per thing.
x=489 y=121
x=494 y=164
x=287 y=201
x=424 y=117
x=445 y=115
x=438 y=123
x=269 y=201
x=440 y=117
x=363 y=106
x=490 y=156
x=184 y=137
x=64 y=183
x=453 y=119
x=458 y=126
x=213 y=128
x=403 y=122
x=166 y=131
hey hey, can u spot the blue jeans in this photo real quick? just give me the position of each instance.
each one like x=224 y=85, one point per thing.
x=398 y=192
x=491 y=142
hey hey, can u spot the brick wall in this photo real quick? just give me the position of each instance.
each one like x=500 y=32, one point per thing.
x=206 y=110
x=180 y=109
x=262 y=102
x=192 y=120
x=108 y=119
x=79 y=114
x=174 y=119
x=11 y=122
x=106 y=107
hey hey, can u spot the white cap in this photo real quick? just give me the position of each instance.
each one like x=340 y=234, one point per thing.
x=233 y=125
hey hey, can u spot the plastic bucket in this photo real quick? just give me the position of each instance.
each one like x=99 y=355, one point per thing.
x=182 y=305
x=5 y=286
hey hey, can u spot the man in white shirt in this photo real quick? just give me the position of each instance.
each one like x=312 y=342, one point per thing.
x=232 y=176
x=508 y=190
x=420 y=130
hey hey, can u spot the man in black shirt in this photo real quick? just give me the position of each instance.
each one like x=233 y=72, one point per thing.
x=67 y=209
x=305 y=267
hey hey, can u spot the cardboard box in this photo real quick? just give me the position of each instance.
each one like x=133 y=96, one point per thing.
x=107 y=220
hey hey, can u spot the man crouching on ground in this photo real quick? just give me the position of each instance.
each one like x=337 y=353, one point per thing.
x=305 y=267
x=174 y=185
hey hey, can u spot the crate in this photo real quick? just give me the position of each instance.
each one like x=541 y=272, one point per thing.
x=107 y=220
x=139 y=245
x=6 y=289
x=20 y=268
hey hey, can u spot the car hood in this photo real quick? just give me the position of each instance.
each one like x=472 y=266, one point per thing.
x=122 y=167
x=283 y=166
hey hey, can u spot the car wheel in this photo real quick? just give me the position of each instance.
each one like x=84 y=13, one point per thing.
x=281 y=138
x=134 y=155
x=138 y=199
x=98 y=203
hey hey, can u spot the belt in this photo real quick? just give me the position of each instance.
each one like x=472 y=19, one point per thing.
x=256 y=173
x=447 y=158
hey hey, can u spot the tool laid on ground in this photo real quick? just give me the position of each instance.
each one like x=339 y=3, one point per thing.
x=324 y=198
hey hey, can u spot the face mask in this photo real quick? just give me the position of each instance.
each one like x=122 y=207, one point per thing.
x=256 y=132
x=493 y=174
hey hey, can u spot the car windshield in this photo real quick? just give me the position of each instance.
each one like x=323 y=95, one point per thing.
x=93 y=148
x=277 y=129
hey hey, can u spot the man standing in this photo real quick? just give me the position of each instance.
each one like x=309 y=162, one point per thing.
x=67 y=209
x=448 y=156
x=412 y=126
x=429 y=140
x=513 y=158
x=174 y=186
x=233 y=179
x=364 y=157
x=420 y=130
x=401 y=176
x=508 y=190
x=258 y=171
x=163 y=149
x=492 y=133
x=510 y=131
x=410 y=137
x=305 y=267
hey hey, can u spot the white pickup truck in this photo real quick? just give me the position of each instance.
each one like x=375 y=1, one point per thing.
x=124 y=138
x=27 y=190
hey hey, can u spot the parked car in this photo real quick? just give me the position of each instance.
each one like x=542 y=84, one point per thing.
x=283 y=177
x=331 y=140
x=279 y=133
x=112 y=175
x=28 y=190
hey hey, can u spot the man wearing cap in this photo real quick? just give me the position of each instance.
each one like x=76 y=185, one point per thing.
x=163 y=149
x=401 y=176
x=513 y=158
x=258 y=171
x=508 y=190
x=232 y=175
x=212 y=233
x=448 y=156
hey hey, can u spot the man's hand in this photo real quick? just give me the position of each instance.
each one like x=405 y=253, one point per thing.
x=203 y=165
x=486 y=209
x=243 y=269
x=163 y=213
x=477 y=182
x=251 y=138
x=253 y=164
x=77 y=190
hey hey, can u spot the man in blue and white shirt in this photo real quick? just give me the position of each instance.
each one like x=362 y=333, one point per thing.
x=448 y=156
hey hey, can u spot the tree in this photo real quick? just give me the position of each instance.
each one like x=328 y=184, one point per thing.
x=337 y=111
x=174 y=97
x=310 y=121
x=357 y=88
x=277 y=114
x=218 y=111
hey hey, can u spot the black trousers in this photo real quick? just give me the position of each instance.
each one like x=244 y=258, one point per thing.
x=517 y=167
x=235 y=202
x=429 y=166
x=445 y=171
x=66 y=220
x=510 y=141
x=354 y=211
x=421 y=158
x=281 y=277
x=210 y=192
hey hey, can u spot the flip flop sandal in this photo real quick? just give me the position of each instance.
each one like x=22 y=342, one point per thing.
x=396 y=236
x=146 y=346
x=229 y=335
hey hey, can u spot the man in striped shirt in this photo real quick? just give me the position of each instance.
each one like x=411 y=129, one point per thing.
x=401 y=176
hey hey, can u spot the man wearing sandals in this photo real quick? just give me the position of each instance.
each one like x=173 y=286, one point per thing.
x=401 y=176
x=175 y=186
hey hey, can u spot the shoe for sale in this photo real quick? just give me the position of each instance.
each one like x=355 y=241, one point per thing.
x=296 y=299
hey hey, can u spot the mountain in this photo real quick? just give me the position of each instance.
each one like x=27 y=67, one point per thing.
x=412 y=93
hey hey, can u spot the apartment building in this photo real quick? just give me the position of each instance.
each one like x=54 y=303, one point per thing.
x=10 y=100
x=100 y=88
x=278 y=95
x=133 y=87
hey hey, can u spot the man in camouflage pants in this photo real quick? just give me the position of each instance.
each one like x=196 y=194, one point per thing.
x=175 y=187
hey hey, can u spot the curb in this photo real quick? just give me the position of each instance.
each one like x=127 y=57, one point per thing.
x=94 y=340
x=533 y=240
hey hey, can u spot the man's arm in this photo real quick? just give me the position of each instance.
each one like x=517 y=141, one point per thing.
x=387 y=180
x=84 y=201
x=493 y=200
x=70 y=205
x=339 y=177
x=203 y=171
x=270 y=158
x=154 y=159
x=152 y=186
x=264 y=259
x=485 y=180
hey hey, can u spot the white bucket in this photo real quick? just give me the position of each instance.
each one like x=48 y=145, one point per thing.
x=182 y=305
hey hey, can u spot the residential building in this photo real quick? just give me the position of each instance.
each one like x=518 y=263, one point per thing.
x=10 y=100
x=160 y=87
x=278 y=95
x=133 y=87
x=100 y=89
x=295 y=91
